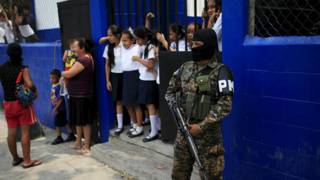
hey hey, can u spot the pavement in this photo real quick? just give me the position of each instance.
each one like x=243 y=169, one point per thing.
x=59 y=162
x=120 y=158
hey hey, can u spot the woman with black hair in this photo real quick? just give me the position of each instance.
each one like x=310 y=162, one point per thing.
x=114 y=72
x=148 y=94
x=80 y=87
x=16 y=114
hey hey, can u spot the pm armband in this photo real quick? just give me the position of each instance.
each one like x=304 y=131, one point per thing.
x=225 y=82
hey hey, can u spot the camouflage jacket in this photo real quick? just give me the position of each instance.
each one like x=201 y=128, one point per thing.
x=184 y=81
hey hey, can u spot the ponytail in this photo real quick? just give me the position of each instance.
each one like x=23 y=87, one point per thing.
x=116 y=31
x=143 y=33
x=111 y=57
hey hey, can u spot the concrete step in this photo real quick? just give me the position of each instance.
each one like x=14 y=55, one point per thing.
x=158 y=146
x=133 y=158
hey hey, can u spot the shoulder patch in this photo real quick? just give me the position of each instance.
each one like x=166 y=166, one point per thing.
x=225 y=81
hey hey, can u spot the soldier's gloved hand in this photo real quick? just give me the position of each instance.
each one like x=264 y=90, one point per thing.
x=194 y=129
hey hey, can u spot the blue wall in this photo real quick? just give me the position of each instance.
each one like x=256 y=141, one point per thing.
x=122 y=15
x=49 y=35
x=40 y=57
x=274 y=129
x=105 y=105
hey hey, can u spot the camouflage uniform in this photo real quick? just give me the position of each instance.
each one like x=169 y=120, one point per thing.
x=207 y=109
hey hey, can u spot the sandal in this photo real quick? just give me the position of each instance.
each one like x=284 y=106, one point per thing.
x=76 y=147
x=32 y=164
x=86 y=152
x=17 y=162
x=80 y=150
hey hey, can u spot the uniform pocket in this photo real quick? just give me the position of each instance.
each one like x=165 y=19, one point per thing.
x=190 y=103
x=203 y=84
x=203 y=106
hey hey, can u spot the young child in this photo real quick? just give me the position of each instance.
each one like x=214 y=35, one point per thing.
x=69 y=57
x=114 y=72
x=59 y=108
x=131 y=83
x=176 y=37
x=191 y=29
x=148 y=94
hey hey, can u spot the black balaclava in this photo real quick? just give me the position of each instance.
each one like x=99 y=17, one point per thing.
x=14 y=52
x=209 y=47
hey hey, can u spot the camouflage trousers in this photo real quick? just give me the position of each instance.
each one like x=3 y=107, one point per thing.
x=211 y=157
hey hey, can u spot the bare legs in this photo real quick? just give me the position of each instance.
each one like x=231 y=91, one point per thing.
x=25 y=143
x=12 y=144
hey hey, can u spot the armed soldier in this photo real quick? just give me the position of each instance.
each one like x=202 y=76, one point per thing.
x=203 y=90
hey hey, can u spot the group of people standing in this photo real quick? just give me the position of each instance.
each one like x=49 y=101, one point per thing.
x=72 y=95
x=73 y=92
x=205 y=89
x=132 y=67
x=132 y=76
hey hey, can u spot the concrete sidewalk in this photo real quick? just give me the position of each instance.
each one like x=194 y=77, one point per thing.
x=120 y=158
x=59 y=162
x=143 y=161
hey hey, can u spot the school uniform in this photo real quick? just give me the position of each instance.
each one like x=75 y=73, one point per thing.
x=181 y=47
x=148 y=93
x=116 y=75
x=130 y=75
x=147 y=79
